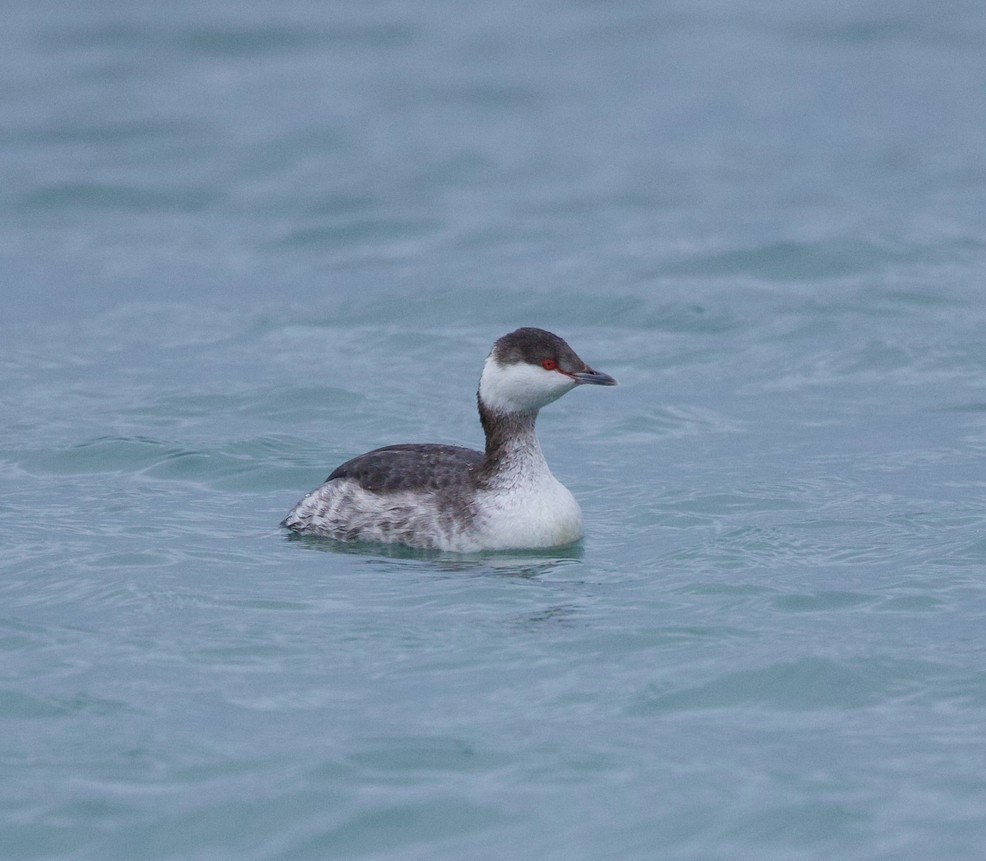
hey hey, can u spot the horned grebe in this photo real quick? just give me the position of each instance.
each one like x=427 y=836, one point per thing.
x=446 y=497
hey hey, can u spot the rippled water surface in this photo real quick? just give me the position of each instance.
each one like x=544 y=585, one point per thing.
x=242 y=242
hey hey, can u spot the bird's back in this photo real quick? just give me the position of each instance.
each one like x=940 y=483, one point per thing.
x=411 y=466
x=420 y=495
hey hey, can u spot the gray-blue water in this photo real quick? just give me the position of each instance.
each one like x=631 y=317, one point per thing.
x=241 y=242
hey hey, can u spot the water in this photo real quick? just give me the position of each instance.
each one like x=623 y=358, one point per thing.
x=241 y=243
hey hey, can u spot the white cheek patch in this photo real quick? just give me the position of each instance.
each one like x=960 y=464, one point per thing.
x=520 y=387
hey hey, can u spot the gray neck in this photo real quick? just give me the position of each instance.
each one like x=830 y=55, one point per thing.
x=512 y=446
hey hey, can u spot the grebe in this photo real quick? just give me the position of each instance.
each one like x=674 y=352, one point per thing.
x=447 y=497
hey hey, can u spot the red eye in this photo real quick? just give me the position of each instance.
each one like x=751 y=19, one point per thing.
x=549 y=365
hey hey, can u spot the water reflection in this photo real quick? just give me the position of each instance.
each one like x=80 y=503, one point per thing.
x=526 y=564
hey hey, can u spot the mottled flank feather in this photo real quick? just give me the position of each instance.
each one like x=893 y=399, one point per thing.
x=419 y=495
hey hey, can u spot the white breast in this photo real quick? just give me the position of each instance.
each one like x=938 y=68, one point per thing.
x=542 y=514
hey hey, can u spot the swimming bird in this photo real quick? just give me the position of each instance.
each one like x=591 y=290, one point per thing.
x=447 y=497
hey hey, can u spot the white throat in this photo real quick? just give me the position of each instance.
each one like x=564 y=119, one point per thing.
x=519 y=387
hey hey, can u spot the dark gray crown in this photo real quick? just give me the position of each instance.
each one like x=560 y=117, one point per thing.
x=533 y=346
